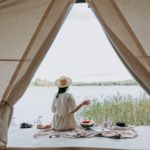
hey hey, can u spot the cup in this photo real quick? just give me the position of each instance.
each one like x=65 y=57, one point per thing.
x=107 y=124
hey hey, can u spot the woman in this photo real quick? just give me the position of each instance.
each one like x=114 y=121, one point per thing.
x=64 y=107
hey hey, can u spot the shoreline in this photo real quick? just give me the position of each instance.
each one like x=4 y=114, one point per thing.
x=45 y=83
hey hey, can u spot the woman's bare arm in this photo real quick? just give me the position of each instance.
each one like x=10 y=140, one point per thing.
x=86 y=102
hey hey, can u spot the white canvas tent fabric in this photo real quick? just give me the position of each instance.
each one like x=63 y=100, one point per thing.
x=127 y=25
x=28 y=28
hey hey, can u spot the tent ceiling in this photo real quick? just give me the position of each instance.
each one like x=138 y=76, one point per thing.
x=17 y=19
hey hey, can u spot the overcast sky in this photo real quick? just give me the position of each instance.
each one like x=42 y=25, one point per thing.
x=82 y=51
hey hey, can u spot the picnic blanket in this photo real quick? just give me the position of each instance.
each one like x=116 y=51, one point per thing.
x=113 y=132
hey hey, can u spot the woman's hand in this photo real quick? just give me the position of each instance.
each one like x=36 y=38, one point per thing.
x=86 y=102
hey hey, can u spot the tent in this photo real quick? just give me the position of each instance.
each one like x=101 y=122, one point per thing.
x=29 y=27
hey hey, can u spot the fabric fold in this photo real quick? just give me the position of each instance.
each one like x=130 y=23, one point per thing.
x=79 y=132
x=127 y=34
x=28 y=29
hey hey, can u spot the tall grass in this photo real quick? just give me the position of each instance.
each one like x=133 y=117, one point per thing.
x=119 y=108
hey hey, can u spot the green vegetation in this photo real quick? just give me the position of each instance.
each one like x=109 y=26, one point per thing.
x=106 y=83
x=41 y=82
x=119 y=109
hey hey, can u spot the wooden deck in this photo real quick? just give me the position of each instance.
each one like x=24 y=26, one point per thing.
x=24 y=138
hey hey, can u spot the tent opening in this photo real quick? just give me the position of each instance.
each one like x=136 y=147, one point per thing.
x=81 y=51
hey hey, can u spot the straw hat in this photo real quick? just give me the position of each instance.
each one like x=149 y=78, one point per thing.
x=63 y=82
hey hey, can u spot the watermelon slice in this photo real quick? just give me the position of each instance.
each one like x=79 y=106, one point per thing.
x=87 y=123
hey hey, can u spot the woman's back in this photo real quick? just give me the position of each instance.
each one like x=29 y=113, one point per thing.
x=64 y=104
x=61 y=107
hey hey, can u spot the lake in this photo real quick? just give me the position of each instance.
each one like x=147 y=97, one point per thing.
x=35 y=104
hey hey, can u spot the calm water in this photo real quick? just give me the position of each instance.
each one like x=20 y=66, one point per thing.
x=36 y=102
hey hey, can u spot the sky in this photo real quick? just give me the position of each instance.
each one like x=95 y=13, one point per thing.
x=82 y=51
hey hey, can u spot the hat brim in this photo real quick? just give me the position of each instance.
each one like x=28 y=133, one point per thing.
x=57 y=82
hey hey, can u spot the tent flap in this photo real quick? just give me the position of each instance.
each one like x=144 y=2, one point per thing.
x=126 y=24
x=29 y=29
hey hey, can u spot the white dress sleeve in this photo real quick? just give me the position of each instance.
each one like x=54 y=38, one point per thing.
x=71 y=104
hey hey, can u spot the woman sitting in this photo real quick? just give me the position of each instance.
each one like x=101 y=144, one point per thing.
x=63 y=107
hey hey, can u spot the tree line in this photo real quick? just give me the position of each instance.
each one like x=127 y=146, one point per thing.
x=45 y=82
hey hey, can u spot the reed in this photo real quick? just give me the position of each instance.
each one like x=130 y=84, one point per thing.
x=119 y=108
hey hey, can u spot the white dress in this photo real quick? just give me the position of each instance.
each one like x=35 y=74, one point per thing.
x=61 y=107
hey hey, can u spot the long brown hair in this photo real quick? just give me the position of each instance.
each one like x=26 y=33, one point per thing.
x=61 y=90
